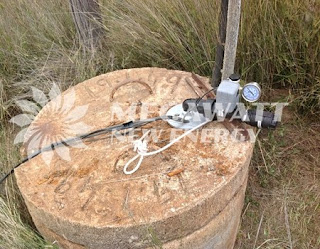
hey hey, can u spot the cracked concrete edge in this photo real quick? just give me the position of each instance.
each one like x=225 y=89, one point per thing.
x=220 y=232
x=206 y=211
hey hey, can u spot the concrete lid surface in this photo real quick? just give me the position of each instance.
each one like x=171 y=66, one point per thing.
x=85 y=185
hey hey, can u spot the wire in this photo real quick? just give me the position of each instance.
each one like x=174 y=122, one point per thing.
x=67 y=142
x=141 y=147
x=16 y=166
x=198 y=100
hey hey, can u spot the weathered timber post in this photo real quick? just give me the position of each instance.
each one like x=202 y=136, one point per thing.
x=234 y=10
x=228 y=39
x=87 y=17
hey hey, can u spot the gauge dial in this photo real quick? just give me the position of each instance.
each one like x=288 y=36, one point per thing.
x=251 y=92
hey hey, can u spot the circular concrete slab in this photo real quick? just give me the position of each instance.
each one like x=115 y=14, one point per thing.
x=189 y=196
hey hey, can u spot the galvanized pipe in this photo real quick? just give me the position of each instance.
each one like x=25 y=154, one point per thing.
x=216 y=74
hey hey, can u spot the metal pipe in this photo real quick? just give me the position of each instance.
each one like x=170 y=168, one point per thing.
x=216 y=74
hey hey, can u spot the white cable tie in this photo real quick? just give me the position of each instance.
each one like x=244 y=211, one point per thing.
x=259 y=124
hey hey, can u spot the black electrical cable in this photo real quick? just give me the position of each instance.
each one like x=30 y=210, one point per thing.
x=199 y=99
x=218 y=63
x=67 y=142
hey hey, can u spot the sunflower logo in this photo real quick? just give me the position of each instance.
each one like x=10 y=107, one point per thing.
x=48 y=120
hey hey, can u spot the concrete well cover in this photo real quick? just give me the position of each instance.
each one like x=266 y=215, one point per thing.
x=80 y=195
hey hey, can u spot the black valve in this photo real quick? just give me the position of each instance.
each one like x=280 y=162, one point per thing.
x=204 y=106
x=266 y=120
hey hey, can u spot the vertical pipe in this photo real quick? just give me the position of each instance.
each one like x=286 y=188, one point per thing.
x=216 y=75
x=234 y=9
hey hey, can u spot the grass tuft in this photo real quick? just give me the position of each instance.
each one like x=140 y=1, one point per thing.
x=279 y=47
x=15 y=233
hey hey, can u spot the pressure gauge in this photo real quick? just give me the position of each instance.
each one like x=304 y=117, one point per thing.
x=251 y=92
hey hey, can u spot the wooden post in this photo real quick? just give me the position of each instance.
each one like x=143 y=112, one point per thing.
x=228 y=40
x=234 y=9
x=87 y=17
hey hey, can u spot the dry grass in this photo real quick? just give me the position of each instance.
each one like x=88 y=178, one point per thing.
x=15 y=233
x=279 y=43
x=284 y=189
x=279 y=46
x=171 y=33
x=17 y=229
